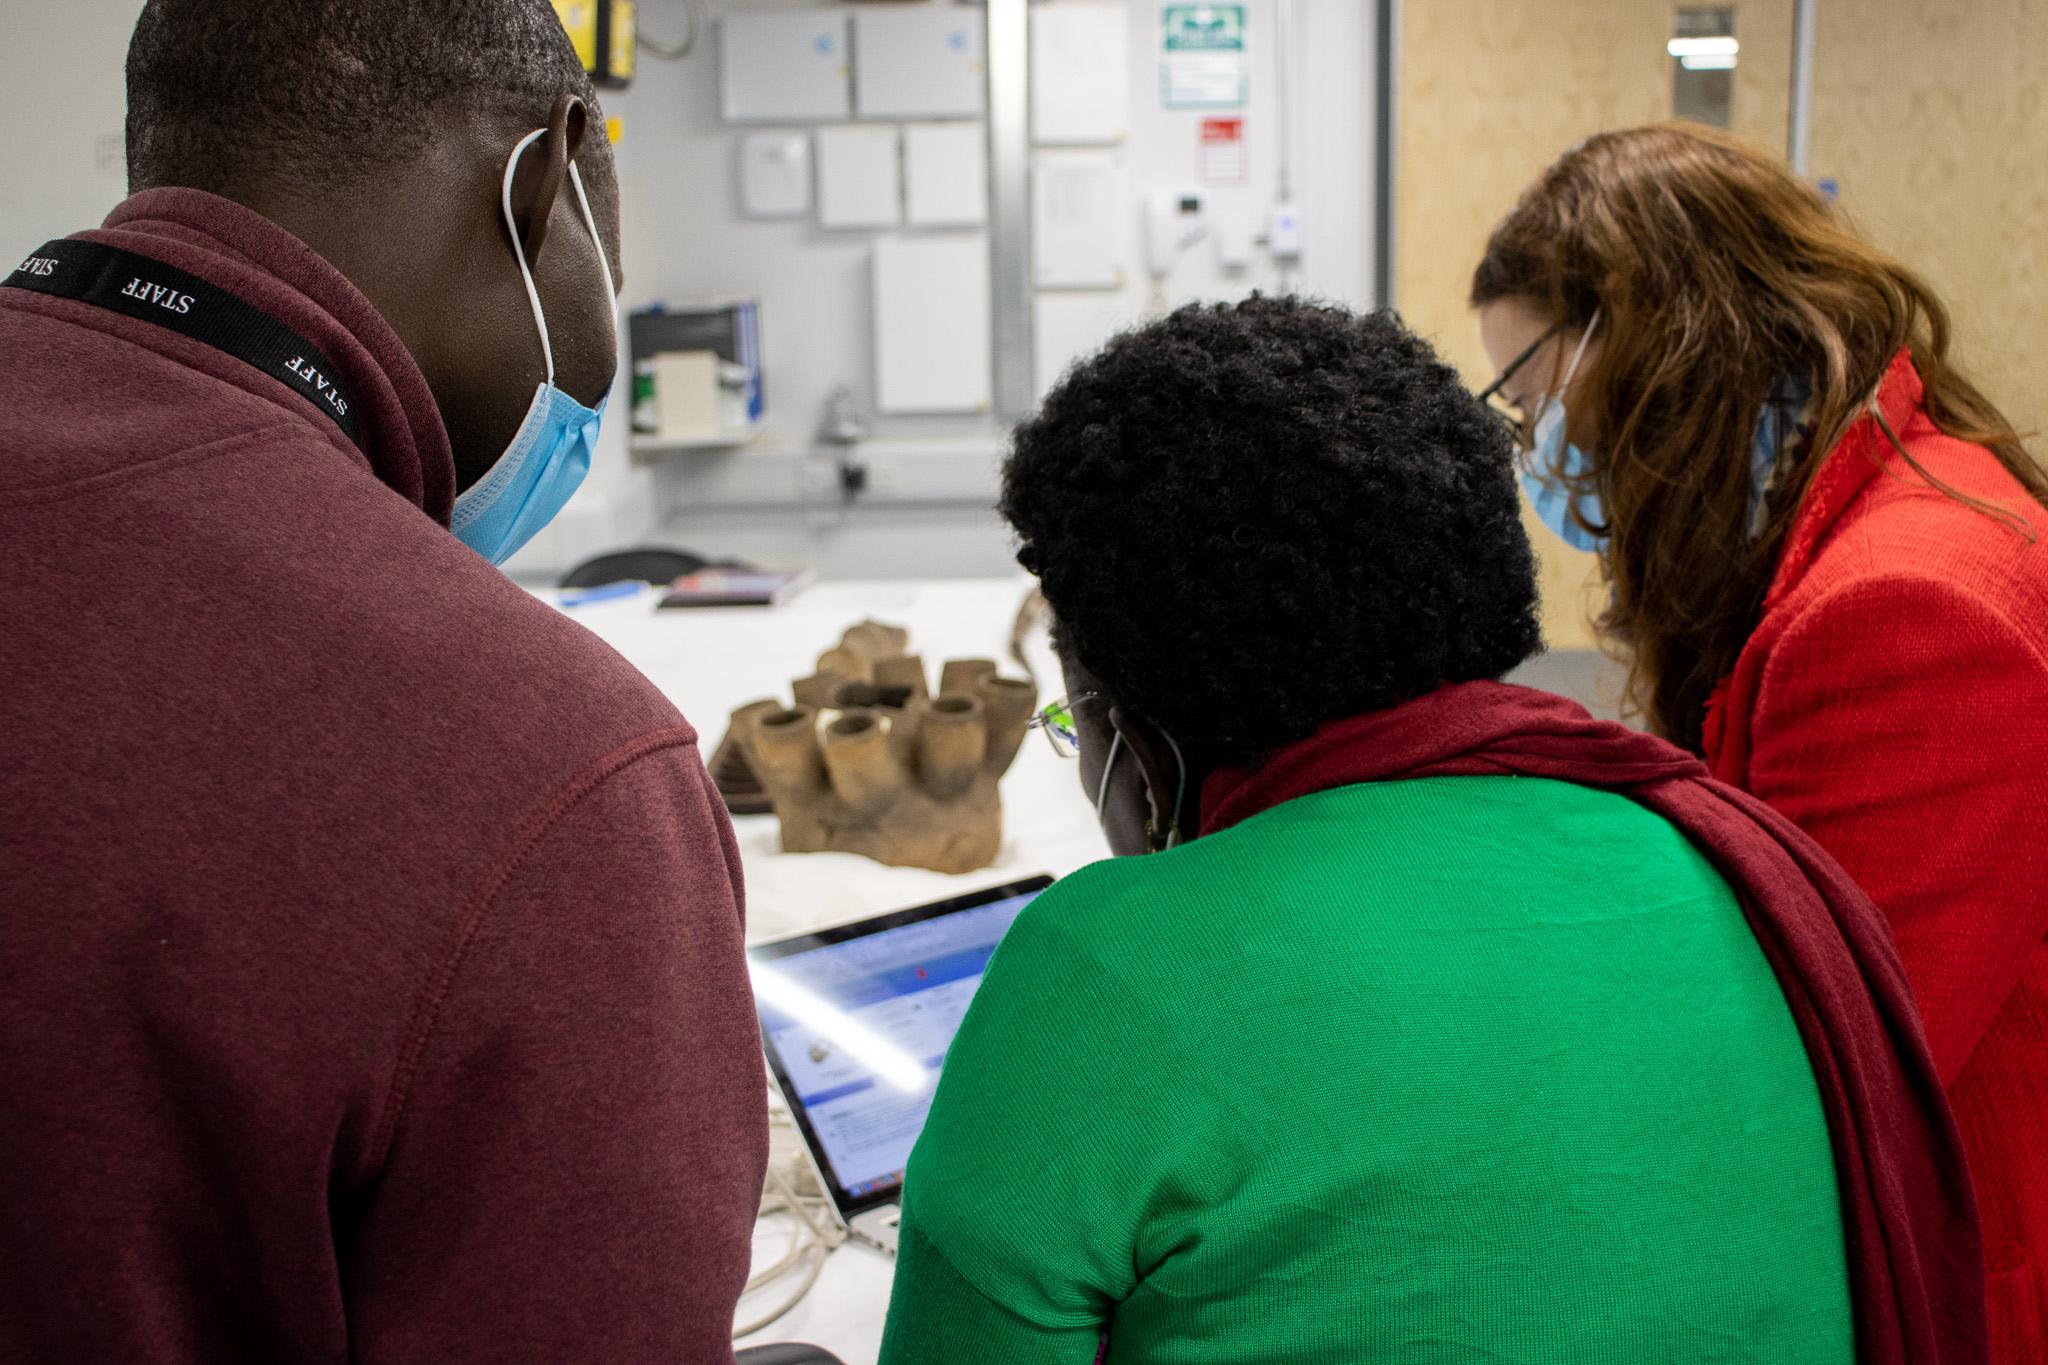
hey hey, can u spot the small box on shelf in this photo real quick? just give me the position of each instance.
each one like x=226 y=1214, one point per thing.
x=696 y=378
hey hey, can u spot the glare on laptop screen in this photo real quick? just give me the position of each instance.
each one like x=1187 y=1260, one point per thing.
x=862 y=1027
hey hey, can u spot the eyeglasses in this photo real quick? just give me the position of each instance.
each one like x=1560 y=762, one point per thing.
x=1507 y=411
x=1057 y=721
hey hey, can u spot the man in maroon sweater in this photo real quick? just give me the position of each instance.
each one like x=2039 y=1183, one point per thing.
x=371 y=984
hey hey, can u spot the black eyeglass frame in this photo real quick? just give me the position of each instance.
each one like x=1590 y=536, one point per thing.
x=1488 y=393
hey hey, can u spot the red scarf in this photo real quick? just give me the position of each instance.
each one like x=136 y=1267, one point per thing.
x=1916 y=1271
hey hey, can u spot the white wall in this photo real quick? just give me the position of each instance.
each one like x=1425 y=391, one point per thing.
x=928 y=511
x=62 y=102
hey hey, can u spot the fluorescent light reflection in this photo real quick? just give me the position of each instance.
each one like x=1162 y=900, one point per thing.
x=821 y=1016
x=1703 y=47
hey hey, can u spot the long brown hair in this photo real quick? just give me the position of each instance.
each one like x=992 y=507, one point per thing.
x=1716 y=273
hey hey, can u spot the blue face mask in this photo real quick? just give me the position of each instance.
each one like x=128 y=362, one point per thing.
x=1550 y=459
x=549 y=456
x=1778 y=426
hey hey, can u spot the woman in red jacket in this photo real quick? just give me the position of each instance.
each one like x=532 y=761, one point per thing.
x=1823 y=551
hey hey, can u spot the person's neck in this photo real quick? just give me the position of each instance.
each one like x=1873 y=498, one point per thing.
x=375 y=232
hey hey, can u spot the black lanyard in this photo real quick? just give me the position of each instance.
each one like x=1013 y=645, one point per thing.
x=139 y=287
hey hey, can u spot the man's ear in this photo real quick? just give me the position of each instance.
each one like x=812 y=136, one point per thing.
x=1167 y=778
x=542 y=170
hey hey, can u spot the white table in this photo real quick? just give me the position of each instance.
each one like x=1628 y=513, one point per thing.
x=711 y=662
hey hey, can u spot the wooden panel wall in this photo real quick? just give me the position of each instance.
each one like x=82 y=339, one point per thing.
x=1763 y=77
x=1490 y=92
x=1933 y=119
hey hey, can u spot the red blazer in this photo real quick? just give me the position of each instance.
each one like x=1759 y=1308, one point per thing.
x=1894 y=703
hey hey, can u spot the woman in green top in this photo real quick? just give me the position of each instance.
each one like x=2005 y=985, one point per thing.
x=1416 y=1053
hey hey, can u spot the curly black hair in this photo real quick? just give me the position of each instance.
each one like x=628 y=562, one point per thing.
x=1252 y=519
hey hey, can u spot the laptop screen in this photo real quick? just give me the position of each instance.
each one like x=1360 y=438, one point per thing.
x=857 y=1022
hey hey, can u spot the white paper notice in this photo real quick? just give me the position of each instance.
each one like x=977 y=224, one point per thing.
x=1222 y=151
x=1202 y=60
x=1081 y=220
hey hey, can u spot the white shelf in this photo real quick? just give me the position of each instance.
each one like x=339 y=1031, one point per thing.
x=643 y=444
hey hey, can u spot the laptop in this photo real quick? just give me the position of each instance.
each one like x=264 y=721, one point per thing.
x=856 y=1021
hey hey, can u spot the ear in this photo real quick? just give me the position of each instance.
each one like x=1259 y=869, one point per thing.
x=1169 y=776
x=543 y=169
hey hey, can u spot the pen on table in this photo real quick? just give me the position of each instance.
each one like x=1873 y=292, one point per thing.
x=606 y=592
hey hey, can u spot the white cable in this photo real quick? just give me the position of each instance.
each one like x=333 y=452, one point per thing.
x=793 y=1188
x=693 y=14
x=766 y=1321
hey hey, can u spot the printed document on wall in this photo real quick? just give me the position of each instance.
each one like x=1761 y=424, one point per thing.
x=1081 y=220
x=1203 y=63
x=1080 y=74
x=932 y=324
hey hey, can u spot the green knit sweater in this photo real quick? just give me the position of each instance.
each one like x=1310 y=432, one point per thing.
x=1482 y=1069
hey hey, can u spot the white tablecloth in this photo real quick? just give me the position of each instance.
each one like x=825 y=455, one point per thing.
x=710 y=662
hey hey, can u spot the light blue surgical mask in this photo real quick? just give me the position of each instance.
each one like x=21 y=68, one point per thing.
x=1551 y=459
x=549 y=456
x=1779 y=428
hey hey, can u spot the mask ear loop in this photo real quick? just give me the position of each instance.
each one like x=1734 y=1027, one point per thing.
x=1109 y=766
x=1573 y=368
x=540 y=319
x=1557 y=398
x=603 y=261
x=1180 y=795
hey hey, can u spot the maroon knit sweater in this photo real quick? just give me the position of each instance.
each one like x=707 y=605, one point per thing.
x=371 y=984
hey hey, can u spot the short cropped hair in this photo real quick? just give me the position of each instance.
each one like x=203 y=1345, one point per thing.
x=239 y=92
x=1252 y=519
